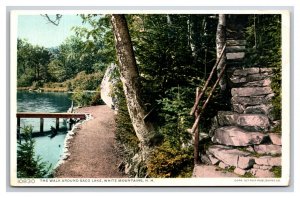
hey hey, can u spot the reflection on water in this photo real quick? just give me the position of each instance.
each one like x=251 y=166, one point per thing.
x=49 y=149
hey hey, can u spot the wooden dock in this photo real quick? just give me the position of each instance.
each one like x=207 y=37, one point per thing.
x=20 y=115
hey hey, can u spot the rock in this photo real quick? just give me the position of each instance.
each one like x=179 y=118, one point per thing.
x=227 y=155
x=268 y=149
x=268 y=161
x=247 y=77
x=223 y=165
x=239 y=171
x=261 y=173
x=251 y=91
x=238 y=108
x=235 y=136
x=251 y=100
x=253 y=122
x=213 y=160
x=252 y=70
x=262 y=167
x=205 y=159
x=204 y=171
x=250 y=149
x=259 y=83
x=258 y=109
x=214 y=126
x=227 y=118
x=235 y=55
x=246 y=71
x=245 y=162
x=107 y=82
x=275 y=138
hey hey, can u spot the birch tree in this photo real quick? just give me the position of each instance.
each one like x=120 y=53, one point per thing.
x=220 y=42
x=131 y=85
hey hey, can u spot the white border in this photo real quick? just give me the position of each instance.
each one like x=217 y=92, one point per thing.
x=163 y=182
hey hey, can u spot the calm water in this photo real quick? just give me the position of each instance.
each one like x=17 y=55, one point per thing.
x=49 y=149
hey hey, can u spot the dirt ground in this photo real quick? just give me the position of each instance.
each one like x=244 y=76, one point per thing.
x=92 y=149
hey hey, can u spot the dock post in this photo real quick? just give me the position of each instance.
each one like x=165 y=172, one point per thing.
x=57 y=124
x=18 y=129
x=41 y=125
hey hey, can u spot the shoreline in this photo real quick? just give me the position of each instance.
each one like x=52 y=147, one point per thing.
x=55 y=90
x=69 y=136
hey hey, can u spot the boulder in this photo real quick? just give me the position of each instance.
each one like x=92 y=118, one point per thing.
x=227 y=118
x=213 y=160
x=251 y=91
x=268 y=149
x=245 y=162
x=275 y=138
x=108 y=81
x=239 y=171
x=223 y=165
x=253 y=122
x=268 y=161
x=226 y=154
x=261 y=173
x=235 y=136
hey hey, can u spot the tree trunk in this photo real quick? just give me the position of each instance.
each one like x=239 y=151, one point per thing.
x=220 y=42
x=131 y=85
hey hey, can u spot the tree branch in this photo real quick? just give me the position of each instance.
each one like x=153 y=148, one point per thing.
x=53 y=21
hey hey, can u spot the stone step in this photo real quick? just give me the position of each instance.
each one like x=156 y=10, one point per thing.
x=252 y=104
x=268 y=149
x=242 y=161
x=205 y=171
x=250 y=122
x=231 y=156
x=235 y=136
x=235 y=55
x=251 y=91
x=253 y=122
x=244 y=77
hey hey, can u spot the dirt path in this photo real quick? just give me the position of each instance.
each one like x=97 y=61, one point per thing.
x=92 y=149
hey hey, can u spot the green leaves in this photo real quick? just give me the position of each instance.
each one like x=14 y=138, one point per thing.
x=29 y=165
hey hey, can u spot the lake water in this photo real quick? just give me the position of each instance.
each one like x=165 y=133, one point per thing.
x=48 y=149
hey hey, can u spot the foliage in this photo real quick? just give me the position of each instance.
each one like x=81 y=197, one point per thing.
x=29 y=165
x=32 y=63
x=167 y=161
x=264 y=39
x=125 y=134
x=277 y=171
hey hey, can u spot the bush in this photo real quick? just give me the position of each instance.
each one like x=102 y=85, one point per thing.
x=168 y=161
x=29 y=166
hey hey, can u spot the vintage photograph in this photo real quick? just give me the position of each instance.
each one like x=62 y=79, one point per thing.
x=158 y=98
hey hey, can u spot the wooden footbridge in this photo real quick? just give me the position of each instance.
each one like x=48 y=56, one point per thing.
x=20 y=115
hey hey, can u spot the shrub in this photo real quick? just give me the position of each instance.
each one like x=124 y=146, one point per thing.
x=29 y=165
x=168 y=161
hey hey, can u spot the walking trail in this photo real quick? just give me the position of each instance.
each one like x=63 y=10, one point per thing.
x=93 y=148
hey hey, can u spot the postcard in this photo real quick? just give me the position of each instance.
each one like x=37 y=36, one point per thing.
x=150 y=97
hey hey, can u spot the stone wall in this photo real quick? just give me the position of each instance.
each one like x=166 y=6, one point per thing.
x=243 y=138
